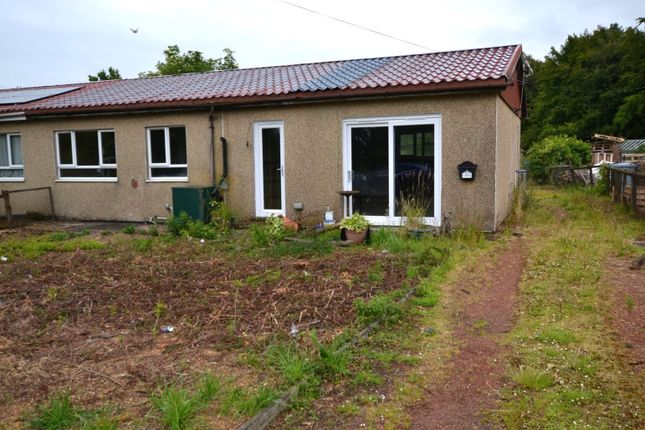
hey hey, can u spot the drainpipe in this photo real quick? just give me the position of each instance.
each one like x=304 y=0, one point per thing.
x=211 y=125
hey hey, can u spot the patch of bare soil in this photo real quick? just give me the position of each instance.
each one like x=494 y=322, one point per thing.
x=627 y=292
x=484 y=309
x=88 y=322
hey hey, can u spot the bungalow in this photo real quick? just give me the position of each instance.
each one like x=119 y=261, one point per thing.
x=288 y=139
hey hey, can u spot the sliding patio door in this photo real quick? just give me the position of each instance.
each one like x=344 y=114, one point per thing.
x=269 y=169
x=394 y=162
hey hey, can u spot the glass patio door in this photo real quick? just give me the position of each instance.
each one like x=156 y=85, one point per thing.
x=394 y=163
x=269 y=169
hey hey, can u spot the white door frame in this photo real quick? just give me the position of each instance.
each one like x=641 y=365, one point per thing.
x=390 y=123
x=260 y=211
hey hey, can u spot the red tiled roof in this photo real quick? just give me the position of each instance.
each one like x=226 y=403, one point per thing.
x=487 y=67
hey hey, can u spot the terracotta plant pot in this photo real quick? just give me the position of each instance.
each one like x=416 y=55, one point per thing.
x=290 y=224
x=356 y=237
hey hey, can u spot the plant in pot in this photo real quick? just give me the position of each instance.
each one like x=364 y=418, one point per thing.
x=355 y=227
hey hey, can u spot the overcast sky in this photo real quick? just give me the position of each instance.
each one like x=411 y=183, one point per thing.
x=46 y=42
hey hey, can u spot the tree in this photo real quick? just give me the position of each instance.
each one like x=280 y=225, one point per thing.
x=593 y=84
x=192 y=61
x=102 y=75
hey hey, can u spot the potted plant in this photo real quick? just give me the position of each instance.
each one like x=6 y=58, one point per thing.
x=355 y=227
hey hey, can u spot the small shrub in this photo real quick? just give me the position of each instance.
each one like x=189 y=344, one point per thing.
x=153 y=230
x=553 y=151
x=270 y=233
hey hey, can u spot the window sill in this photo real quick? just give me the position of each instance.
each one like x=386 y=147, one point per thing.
x=167 y=180
x=109 y=180
x=12 y=179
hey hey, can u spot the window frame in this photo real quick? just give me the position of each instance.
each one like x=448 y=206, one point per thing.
x=12 y=166
x=167 y=153
x=391 y=122
x=74 y=165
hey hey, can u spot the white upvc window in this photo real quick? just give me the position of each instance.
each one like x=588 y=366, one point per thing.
x=11 y=165
x=86 y=155
x=167 y=156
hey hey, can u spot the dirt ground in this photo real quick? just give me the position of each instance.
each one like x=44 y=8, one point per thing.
x=484 y=309
x=88 y=322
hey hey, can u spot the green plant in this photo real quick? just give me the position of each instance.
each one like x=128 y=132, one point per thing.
x=270 y=233
x=555 y=150
x=533 y=379
x=176 y=406
x=153 y=230
x=355 y=222
x=178 y=224
x=142 y=245
x=221 y=216
x=294 y=366
x=129 y=229
x=332 y=360
x=382 y=308
x=57 y=415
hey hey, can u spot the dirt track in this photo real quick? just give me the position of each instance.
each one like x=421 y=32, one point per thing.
x=484 y=303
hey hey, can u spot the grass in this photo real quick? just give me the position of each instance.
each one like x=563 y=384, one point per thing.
x=567 y=374
x=33 y=247
x=59 y=414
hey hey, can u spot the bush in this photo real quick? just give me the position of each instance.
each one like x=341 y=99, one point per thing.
x=184 y=225
x=553 y=151
x=270 y=233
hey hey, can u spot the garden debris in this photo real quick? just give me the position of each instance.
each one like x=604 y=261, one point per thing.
x=167 y=329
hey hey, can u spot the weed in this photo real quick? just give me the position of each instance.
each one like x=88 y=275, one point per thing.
x=629 y=302
x=331 y=359
x=129 y=229
x=533 y=379
x=556 y=335
x=293 y=366
x=366 y=378
x=209 y=388
x=57 y=415
x=142 y=245
x=239 y=401
x=153 y=230
x=381 y=308
x=375 y=273
x=348 y=409
x=176 y=407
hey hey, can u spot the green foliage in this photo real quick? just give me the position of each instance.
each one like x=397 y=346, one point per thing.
x=57 y=415
x=221 y=216
x=355 y=222
x=142 y=245
x=553 y=151
x=183 y=225
x=294 y=366
x=34 y=247
x=533 y=379
x=176 y=63
x=332 y=360
x=102 y=75
x=382 y=308
x=129 y=229
x=593 y=84
x=270 y=233
x=176 y=407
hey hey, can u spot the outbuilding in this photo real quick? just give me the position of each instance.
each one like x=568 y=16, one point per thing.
x=296 y=137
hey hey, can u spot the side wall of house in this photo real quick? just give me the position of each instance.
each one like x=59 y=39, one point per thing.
x=132 y=197
x=313 y=157
x=507 y=156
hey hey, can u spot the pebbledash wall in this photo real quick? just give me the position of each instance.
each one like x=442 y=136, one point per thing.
x=477 y=127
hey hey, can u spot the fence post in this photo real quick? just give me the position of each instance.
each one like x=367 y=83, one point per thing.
x=634 y=193
x=7 y=206
x=591 y=174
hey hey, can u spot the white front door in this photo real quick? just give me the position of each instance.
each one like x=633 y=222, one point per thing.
x=268 y=138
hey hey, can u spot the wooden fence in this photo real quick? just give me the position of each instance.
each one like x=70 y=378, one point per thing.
x=6 y=197
x=627 y=187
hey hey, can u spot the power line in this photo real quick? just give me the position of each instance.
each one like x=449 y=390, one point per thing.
x=355 y=25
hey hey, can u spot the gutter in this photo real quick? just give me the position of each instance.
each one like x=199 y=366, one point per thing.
x=13 y=116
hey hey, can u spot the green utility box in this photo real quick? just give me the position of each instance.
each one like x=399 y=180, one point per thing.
x=192 y=200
